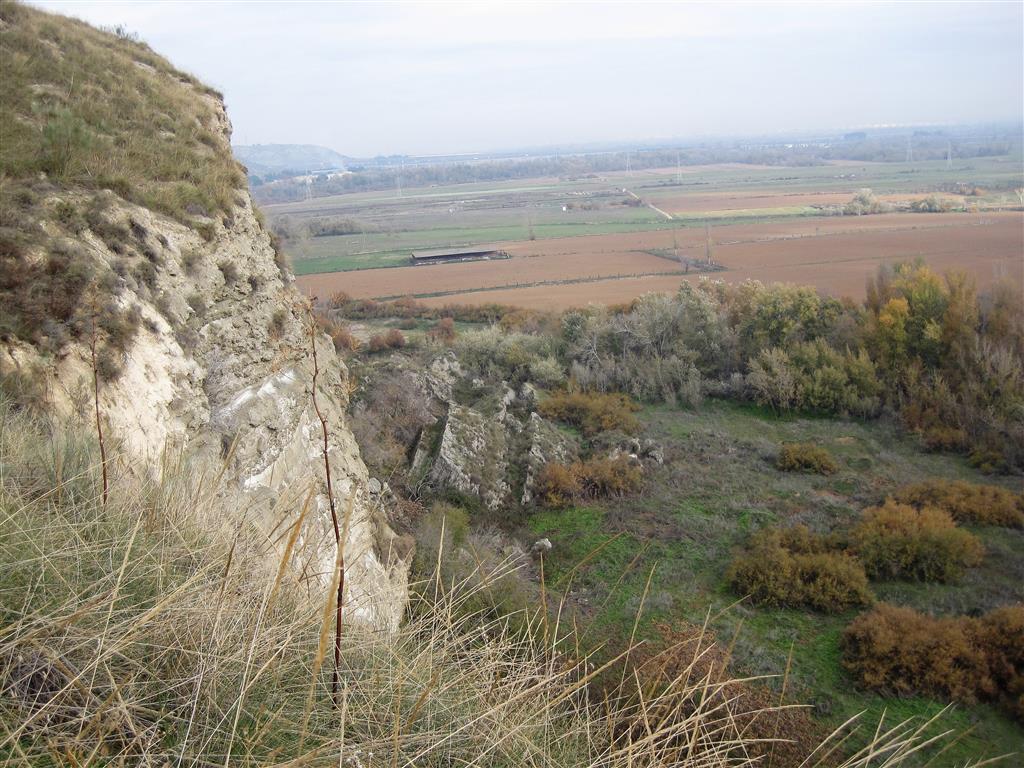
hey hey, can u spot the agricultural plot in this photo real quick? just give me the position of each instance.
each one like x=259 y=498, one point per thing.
x=835 y=255
x=612 y=237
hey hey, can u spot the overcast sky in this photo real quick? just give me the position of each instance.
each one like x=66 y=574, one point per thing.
x=374 y=78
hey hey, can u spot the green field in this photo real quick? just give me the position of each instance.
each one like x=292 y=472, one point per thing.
x=717 y=485
x=388 y=225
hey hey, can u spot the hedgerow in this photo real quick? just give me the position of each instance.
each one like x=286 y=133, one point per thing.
x=967 y=502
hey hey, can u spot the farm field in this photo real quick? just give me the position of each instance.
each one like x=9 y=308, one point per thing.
x=608 y=238
x=833 y=254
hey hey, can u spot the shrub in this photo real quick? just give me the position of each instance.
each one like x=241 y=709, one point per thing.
x=898 y=541
x=443 y=331
x=967 y=502
x=393 y=339
x=592 y=412
x=794 y=568
x=343 y=339
x=145 y=274
x=190 y=261
x=277 y=324
x=944 y=438
x=230 y=272
x=988 y=461
x=561 y=484
x=898 y=650
x=557 y=485
x=804 y=457
x=197 y=303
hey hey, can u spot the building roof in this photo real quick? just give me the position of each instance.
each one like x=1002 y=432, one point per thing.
x=469 y=250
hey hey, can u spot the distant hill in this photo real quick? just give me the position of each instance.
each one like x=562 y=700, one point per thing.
x=262 y=159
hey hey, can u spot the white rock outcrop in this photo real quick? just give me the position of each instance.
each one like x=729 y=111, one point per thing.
x=221 y=368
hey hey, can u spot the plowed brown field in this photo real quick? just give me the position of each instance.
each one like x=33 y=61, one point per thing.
x=744 y=201
x=835 y=255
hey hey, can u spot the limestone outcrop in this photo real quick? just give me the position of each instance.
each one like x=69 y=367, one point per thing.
x=220 y=367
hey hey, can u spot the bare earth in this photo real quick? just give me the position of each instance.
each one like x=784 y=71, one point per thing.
x=835 y=255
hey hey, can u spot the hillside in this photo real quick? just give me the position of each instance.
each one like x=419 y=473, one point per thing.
x=140 y=292
x=503 y=540
x=264 y=159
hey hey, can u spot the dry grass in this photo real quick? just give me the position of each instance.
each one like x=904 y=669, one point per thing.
x=153 y=633
x=100 y=110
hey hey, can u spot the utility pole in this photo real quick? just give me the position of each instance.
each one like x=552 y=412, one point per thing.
x=707 y=242
x=679 y=173
x=949 y=155
x=910 y=150
x=401 y=168
x=627 y=162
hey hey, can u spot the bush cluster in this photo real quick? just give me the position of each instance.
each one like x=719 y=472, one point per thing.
x=967 y=502
x=561 y=484
x=796 y=568
x=393 y=339
x=897 y=541
x=592 y=412
x=898 y=650
x=805 y=457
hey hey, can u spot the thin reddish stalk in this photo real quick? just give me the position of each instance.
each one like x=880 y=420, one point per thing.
x=99 y=422
x=334 y=516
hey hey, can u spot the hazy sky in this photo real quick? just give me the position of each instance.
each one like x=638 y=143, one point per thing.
x=375 y=78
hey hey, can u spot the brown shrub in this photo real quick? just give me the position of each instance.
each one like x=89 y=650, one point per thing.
x=377 y=343
x=276 y=325
x=561 y=484
x=443 y=331
x=967 y=502
x=343 y=339
x=683 y=652
x=394 y=339
x=592 y=412
x=898 y=650
x=1001 y=634
x=899 y=541
x=804 y=457
x=943 y=438
x=557 y=485
x=794 y=568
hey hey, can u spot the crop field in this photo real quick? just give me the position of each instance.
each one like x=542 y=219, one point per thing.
x=609 y=238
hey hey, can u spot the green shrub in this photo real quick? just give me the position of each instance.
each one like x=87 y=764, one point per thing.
x=592 y=412
x=794 y=568
x=967 y=502
x=988 y=461
x=804 y=457
x=897 y=541
x=898 y=650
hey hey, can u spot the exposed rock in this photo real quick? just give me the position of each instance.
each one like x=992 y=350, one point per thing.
x=473 y=456
x=541 y=547
x=221 y=366
x=546 y=443
x=442 y=374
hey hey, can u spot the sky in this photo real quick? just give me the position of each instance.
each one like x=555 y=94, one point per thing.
x=430 y=78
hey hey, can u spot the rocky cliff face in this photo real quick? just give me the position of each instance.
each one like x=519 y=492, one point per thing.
x=219 y=366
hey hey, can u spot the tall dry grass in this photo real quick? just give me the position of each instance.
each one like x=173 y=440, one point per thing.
x=154 y=632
